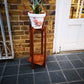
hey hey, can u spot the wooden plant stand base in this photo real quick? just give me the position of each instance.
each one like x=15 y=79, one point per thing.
x=37 y=58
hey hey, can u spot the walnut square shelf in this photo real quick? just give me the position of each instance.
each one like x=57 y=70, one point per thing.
x=38 y=58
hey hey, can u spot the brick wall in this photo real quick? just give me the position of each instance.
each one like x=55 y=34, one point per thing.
x=20 y=26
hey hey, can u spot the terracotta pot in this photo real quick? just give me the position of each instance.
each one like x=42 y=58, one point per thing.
x=36 y=19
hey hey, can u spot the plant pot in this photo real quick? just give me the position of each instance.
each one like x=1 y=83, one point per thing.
x=36 y=19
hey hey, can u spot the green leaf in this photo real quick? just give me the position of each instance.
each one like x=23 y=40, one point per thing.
x=41 y=3
x=40 y=10
x=35 y=2
x=37 y=8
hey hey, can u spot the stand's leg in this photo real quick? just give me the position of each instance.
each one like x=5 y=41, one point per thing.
x=45 y=47
x=30 y=41
x=42 y=42
x=32 y=46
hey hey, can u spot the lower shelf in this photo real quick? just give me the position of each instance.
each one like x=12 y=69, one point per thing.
x=37 y=59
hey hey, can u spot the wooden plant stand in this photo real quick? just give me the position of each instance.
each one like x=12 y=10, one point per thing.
x=37 y=58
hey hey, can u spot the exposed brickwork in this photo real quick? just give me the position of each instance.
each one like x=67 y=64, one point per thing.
x=20 y=26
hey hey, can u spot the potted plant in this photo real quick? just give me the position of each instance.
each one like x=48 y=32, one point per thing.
x=37 y=15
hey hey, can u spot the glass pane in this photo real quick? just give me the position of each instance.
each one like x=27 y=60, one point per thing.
x=75 y=9
x=82 y=14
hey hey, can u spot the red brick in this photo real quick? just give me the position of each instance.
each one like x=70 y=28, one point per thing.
x=26 y=23
x=14 y=1
x=13 y=7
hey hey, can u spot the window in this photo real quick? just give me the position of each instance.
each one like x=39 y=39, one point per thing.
x=77 y=9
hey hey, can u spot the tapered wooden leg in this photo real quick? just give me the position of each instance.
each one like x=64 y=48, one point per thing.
x=31 y=47
x=30 y=41
x=42 y=42
x=32 y=37
x=45 y=47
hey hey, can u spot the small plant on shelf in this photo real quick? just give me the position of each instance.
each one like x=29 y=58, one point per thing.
x=37 y=6
x=37 y=15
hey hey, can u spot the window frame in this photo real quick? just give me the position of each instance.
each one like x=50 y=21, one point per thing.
x=79 y=11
